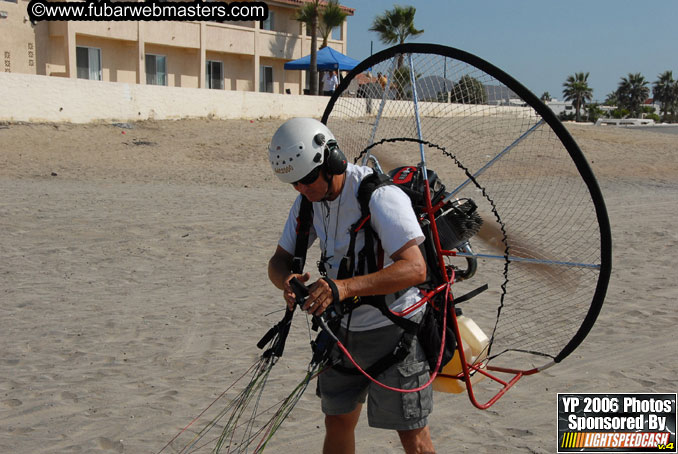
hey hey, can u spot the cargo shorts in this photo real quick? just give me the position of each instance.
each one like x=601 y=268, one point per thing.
x=340 y=393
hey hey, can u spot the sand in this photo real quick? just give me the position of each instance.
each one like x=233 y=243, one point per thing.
x=133 y=289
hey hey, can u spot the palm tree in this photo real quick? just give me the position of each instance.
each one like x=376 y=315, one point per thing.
x=577 y=89
x=665 y=92
x=632 y=93
x=309 y=13
x=331 y=16
x=611 y=99
x=546 y=96
x=395 y=26
x=323 y=19
x=594 y=112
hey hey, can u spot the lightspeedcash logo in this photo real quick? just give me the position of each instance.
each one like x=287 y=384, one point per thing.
x=617 y=423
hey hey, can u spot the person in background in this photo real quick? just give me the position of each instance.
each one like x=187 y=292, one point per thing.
x=330 y=82
x=382 y=80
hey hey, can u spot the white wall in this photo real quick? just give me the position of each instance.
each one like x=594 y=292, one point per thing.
x=32 y=98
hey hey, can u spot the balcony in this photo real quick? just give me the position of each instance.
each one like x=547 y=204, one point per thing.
x=229 y=38
x=170 y=33
x=279 y=45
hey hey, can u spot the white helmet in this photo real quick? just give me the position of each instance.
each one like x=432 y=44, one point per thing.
x=298 y=147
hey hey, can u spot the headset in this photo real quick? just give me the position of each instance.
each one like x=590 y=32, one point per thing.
x=334 y=162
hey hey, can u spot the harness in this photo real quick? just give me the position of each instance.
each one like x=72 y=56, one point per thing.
x=367 y=262
x=456 y=223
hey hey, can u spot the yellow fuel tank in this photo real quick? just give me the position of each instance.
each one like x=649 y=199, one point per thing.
x=474 y=341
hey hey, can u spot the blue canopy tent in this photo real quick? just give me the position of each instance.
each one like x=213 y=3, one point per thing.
x=328 y=59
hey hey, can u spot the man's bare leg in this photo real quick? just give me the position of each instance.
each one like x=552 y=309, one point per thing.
x=417 y=441
x=340 y=432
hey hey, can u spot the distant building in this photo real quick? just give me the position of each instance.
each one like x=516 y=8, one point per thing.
x=246 y=56
x=656 y=105
x=560 y=107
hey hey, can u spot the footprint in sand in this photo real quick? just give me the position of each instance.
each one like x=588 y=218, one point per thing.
x=110 y=445
x=12 y=403
x=66 y=395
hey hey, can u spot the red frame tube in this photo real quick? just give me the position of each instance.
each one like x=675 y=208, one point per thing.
x=466 y=367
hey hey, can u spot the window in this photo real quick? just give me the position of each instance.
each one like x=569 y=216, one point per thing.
x=268 y=23
x=215 y=74
x=88 y=62
x=336 y=33
x=156 y=69
x=266 y=79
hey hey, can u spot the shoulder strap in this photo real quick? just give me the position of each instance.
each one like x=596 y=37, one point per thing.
x=365 y=190
x=279 y=332
x=369 y=184
x=304 y=222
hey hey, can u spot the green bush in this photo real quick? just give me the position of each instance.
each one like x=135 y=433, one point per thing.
x=593 y=112
x=620 y=113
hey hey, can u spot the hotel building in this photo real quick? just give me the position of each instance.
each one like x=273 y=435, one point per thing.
x=243 y=55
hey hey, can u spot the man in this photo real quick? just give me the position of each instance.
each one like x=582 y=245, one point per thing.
x=304 y=152
x=330 y=82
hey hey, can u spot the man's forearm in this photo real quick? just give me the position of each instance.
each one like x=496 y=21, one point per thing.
x=400 y=275
x=278 y=270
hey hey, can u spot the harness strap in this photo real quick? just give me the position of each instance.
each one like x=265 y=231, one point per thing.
x=398 y=354
x=335 y=290
x=368 y=250
x=282 y=328
x=471 y=294
x=369 y=184
x=304 y=221
x=367 y=187
x=347 y=265
x=379 y=302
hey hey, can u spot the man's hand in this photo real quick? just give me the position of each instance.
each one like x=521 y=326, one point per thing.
x=321 y=296
x=288 y=292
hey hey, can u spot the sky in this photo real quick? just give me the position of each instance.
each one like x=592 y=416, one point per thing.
x=541 y=42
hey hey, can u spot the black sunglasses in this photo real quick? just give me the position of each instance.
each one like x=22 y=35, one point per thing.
x=310 y=178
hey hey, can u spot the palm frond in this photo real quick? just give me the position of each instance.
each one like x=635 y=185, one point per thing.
x=396 y=25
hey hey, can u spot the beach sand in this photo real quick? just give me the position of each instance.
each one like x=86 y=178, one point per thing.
x=133 y=289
